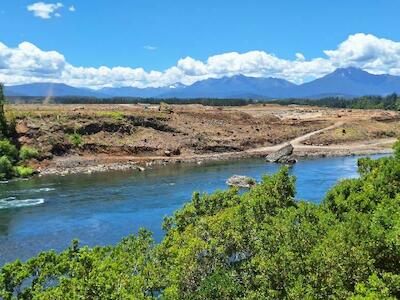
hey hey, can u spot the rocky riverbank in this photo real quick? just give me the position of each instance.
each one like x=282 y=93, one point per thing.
x=87 y=165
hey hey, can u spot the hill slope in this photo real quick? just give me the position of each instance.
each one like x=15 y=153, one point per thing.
x=49 y=89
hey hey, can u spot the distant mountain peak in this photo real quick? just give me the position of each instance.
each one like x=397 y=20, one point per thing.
x=350 y=81
x=349 y=71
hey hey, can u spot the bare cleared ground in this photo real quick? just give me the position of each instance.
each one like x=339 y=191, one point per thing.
x=118 y=134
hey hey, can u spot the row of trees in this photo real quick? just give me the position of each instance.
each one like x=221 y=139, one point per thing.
x=390 y=102
x=133 y=100
x=261 y=244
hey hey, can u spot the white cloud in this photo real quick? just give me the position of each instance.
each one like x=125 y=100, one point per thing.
x=29 y=59
x=45 y=10
x=150 y=48
x=27 y=63
x=366 y=51
x=72 y=8
x=300 y=56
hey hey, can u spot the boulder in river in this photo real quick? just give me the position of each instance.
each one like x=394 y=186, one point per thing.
x=278 y=156
x=288 y=160
x=241 y=181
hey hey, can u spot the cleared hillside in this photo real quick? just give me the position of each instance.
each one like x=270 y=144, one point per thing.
x=71 y=135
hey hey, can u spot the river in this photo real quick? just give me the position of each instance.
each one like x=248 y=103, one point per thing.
x=98 y=209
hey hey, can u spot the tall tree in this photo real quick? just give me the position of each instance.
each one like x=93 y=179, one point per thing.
x=3 y=123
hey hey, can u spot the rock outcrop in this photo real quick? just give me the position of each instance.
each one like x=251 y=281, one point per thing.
x=241 y=181
x=283 y=155
x=288 y=160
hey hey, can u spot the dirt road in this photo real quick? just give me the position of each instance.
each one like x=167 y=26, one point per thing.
x=371 y=146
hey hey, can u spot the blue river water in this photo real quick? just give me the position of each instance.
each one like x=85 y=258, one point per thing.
x=48 y=212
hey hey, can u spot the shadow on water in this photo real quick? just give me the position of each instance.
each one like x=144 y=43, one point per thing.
x=101 y=208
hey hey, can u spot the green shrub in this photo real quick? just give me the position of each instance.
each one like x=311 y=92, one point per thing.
x=27 y=153
x=6 y=170
x=9 y=150
x=22 y=171
x=75 y=139
x=9 y=159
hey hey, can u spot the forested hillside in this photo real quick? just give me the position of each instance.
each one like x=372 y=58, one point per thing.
x=258 y=245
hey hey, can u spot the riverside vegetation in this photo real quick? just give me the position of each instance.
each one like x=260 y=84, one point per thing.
x=12 y=158
x=261 y=244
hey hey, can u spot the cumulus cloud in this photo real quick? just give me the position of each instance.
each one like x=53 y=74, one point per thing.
x=72 y=8
x=29 y=60
x=377 y=55
x=45 y=10
x=28 y=63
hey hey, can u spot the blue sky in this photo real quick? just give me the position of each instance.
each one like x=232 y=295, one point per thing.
x=156 y=34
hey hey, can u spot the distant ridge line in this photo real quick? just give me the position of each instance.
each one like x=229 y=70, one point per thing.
x=344 y=82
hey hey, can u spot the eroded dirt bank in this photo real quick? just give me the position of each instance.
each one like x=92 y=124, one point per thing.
x=88 y=138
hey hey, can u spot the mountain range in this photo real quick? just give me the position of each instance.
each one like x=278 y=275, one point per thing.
x=344 y=82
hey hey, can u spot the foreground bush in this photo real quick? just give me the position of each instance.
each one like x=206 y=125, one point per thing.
x=21 y=171
x=6 y=168
x=27 y=153
x=9 y=155
x=9 y=150
x=12 y=160
x=258 y=245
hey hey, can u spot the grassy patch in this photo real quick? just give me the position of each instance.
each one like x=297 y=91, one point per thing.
x=116 y=115
x=349 y=133
x=75 y=139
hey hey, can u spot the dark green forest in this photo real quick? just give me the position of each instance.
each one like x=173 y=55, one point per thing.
x=390 y=102
x=261 y=244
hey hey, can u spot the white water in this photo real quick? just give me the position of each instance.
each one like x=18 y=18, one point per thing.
x=12 y=202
